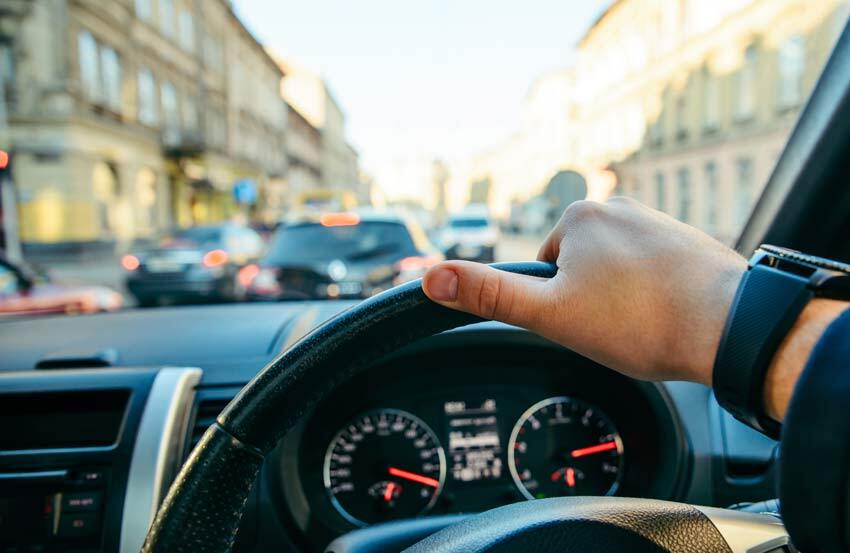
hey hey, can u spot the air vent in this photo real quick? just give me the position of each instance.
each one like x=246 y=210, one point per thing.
x=205 y=415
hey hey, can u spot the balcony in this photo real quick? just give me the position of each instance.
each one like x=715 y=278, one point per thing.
x=177 y=143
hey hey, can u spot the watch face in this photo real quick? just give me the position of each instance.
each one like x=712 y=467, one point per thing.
x=800 y=257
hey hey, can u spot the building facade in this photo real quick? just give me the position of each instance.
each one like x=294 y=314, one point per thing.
x=126 y=117
x=690 y=103
x=304 y=148
x=519 y=168
x=683 y=104
x=311 y=97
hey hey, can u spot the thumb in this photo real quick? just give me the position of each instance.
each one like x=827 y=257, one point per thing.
x=487 y=292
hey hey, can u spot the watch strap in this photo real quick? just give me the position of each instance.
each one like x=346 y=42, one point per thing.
x=766 y=305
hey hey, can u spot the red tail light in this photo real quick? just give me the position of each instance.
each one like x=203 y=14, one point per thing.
x=247 y=274
x=417 y=263
x=264 y=282
x=130 y=262
x=339 y=219
x=215 y=258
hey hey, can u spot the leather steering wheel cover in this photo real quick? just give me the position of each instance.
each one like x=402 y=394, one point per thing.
x=581 y=524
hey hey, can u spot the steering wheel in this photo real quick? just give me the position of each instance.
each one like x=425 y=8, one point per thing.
x=202 y=509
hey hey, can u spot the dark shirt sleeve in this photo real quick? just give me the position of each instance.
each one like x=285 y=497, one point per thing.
x=814 y=473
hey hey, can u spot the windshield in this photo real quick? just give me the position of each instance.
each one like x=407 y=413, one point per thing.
x=316 y=242
x=176 y=179
x=468 y=223
x=194 y=236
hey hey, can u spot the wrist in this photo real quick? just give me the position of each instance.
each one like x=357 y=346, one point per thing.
x=794 y=351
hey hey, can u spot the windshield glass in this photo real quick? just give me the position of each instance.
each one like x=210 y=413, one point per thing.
x=316 y=242
x=193 y=236
x=479 y=121
x=467 y=223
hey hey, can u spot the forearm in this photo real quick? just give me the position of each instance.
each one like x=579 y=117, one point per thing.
x=794 y=352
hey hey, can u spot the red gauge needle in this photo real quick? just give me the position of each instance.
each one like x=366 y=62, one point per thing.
x=388 y=492
x=607 y=446
x=413 y=477
x=570 y=477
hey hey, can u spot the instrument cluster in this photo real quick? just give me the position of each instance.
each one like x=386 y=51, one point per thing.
x=453 y=432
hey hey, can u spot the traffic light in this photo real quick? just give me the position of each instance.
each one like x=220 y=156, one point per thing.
x=5 y=160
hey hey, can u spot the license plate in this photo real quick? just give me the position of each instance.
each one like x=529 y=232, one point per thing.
x=349 y=288
x=163 y=266
x=468 y=251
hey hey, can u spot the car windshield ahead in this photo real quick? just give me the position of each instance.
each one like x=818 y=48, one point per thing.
x=468 y=223
x=316 y=242
x=195 y=236
x=466 y=117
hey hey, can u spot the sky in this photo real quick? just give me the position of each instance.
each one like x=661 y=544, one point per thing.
x=423 y=79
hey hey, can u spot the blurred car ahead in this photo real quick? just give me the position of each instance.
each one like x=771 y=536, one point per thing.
x=471 y=235
x=24 y=293
x=340 y=255
x=193 y=264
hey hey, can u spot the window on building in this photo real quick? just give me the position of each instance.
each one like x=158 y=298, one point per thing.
x=682 y=116
x=712 y=197
x=110 y=65
x=743 y=190
x=187 y=30
x=746 y=90
x=683 y=194
x=190 y=114
x=7 y=62
x=656 y=130
x=143 y=9
x=216 y=129
x=166 y=17
x=170 y=108
x=792 y=64
x=711 y=100
x=148 y=109
x=660 y=192
x=89 y=66
x=213 y=56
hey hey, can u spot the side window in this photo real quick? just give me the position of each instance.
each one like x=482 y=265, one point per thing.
x=9 y=283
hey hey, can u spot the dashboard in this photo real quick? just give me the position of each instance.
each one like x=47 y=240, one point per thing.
x=457 y=423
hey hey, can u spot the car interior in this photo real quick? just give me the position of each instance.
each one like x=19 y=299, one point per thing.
x=261 y=418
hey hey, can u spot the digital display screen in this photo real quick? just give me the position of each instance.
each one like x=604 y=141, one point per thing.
x=474 y=449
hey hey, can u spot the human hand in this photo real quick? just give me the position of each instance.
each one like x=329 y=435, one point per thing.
x=636 y=290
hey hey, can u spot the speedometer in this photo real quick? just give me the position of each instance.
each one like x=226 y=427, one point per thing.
x=562 y=447
x=385 y=464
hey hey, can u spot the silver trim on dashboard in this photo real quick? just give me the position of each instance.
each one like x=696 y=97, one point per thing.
x=746 y=532
x=156 y=454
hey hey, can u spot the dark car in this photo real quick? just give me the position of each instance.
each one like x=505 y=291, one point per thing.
x=193 y=264
x=23 y=292
x=341 y=255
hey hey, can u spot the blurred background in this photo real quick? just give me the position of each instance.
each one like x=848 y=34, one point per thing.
x=156 y=152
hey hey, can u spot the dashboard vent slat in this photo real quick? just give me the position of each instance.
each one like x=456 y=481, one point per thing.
x=207 y=411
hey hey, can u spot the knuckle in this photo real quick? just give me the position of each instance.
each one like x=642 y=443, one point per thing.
x=582 y=210
x=620 y=200
x=489 y=296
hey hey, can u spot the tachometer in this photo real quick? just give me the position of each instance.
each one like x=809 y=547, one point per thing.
x=385 y=464
x=563 y=446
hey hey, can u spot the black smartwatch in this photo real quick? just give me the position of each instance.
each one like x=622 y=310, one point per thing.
x=772 y=293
